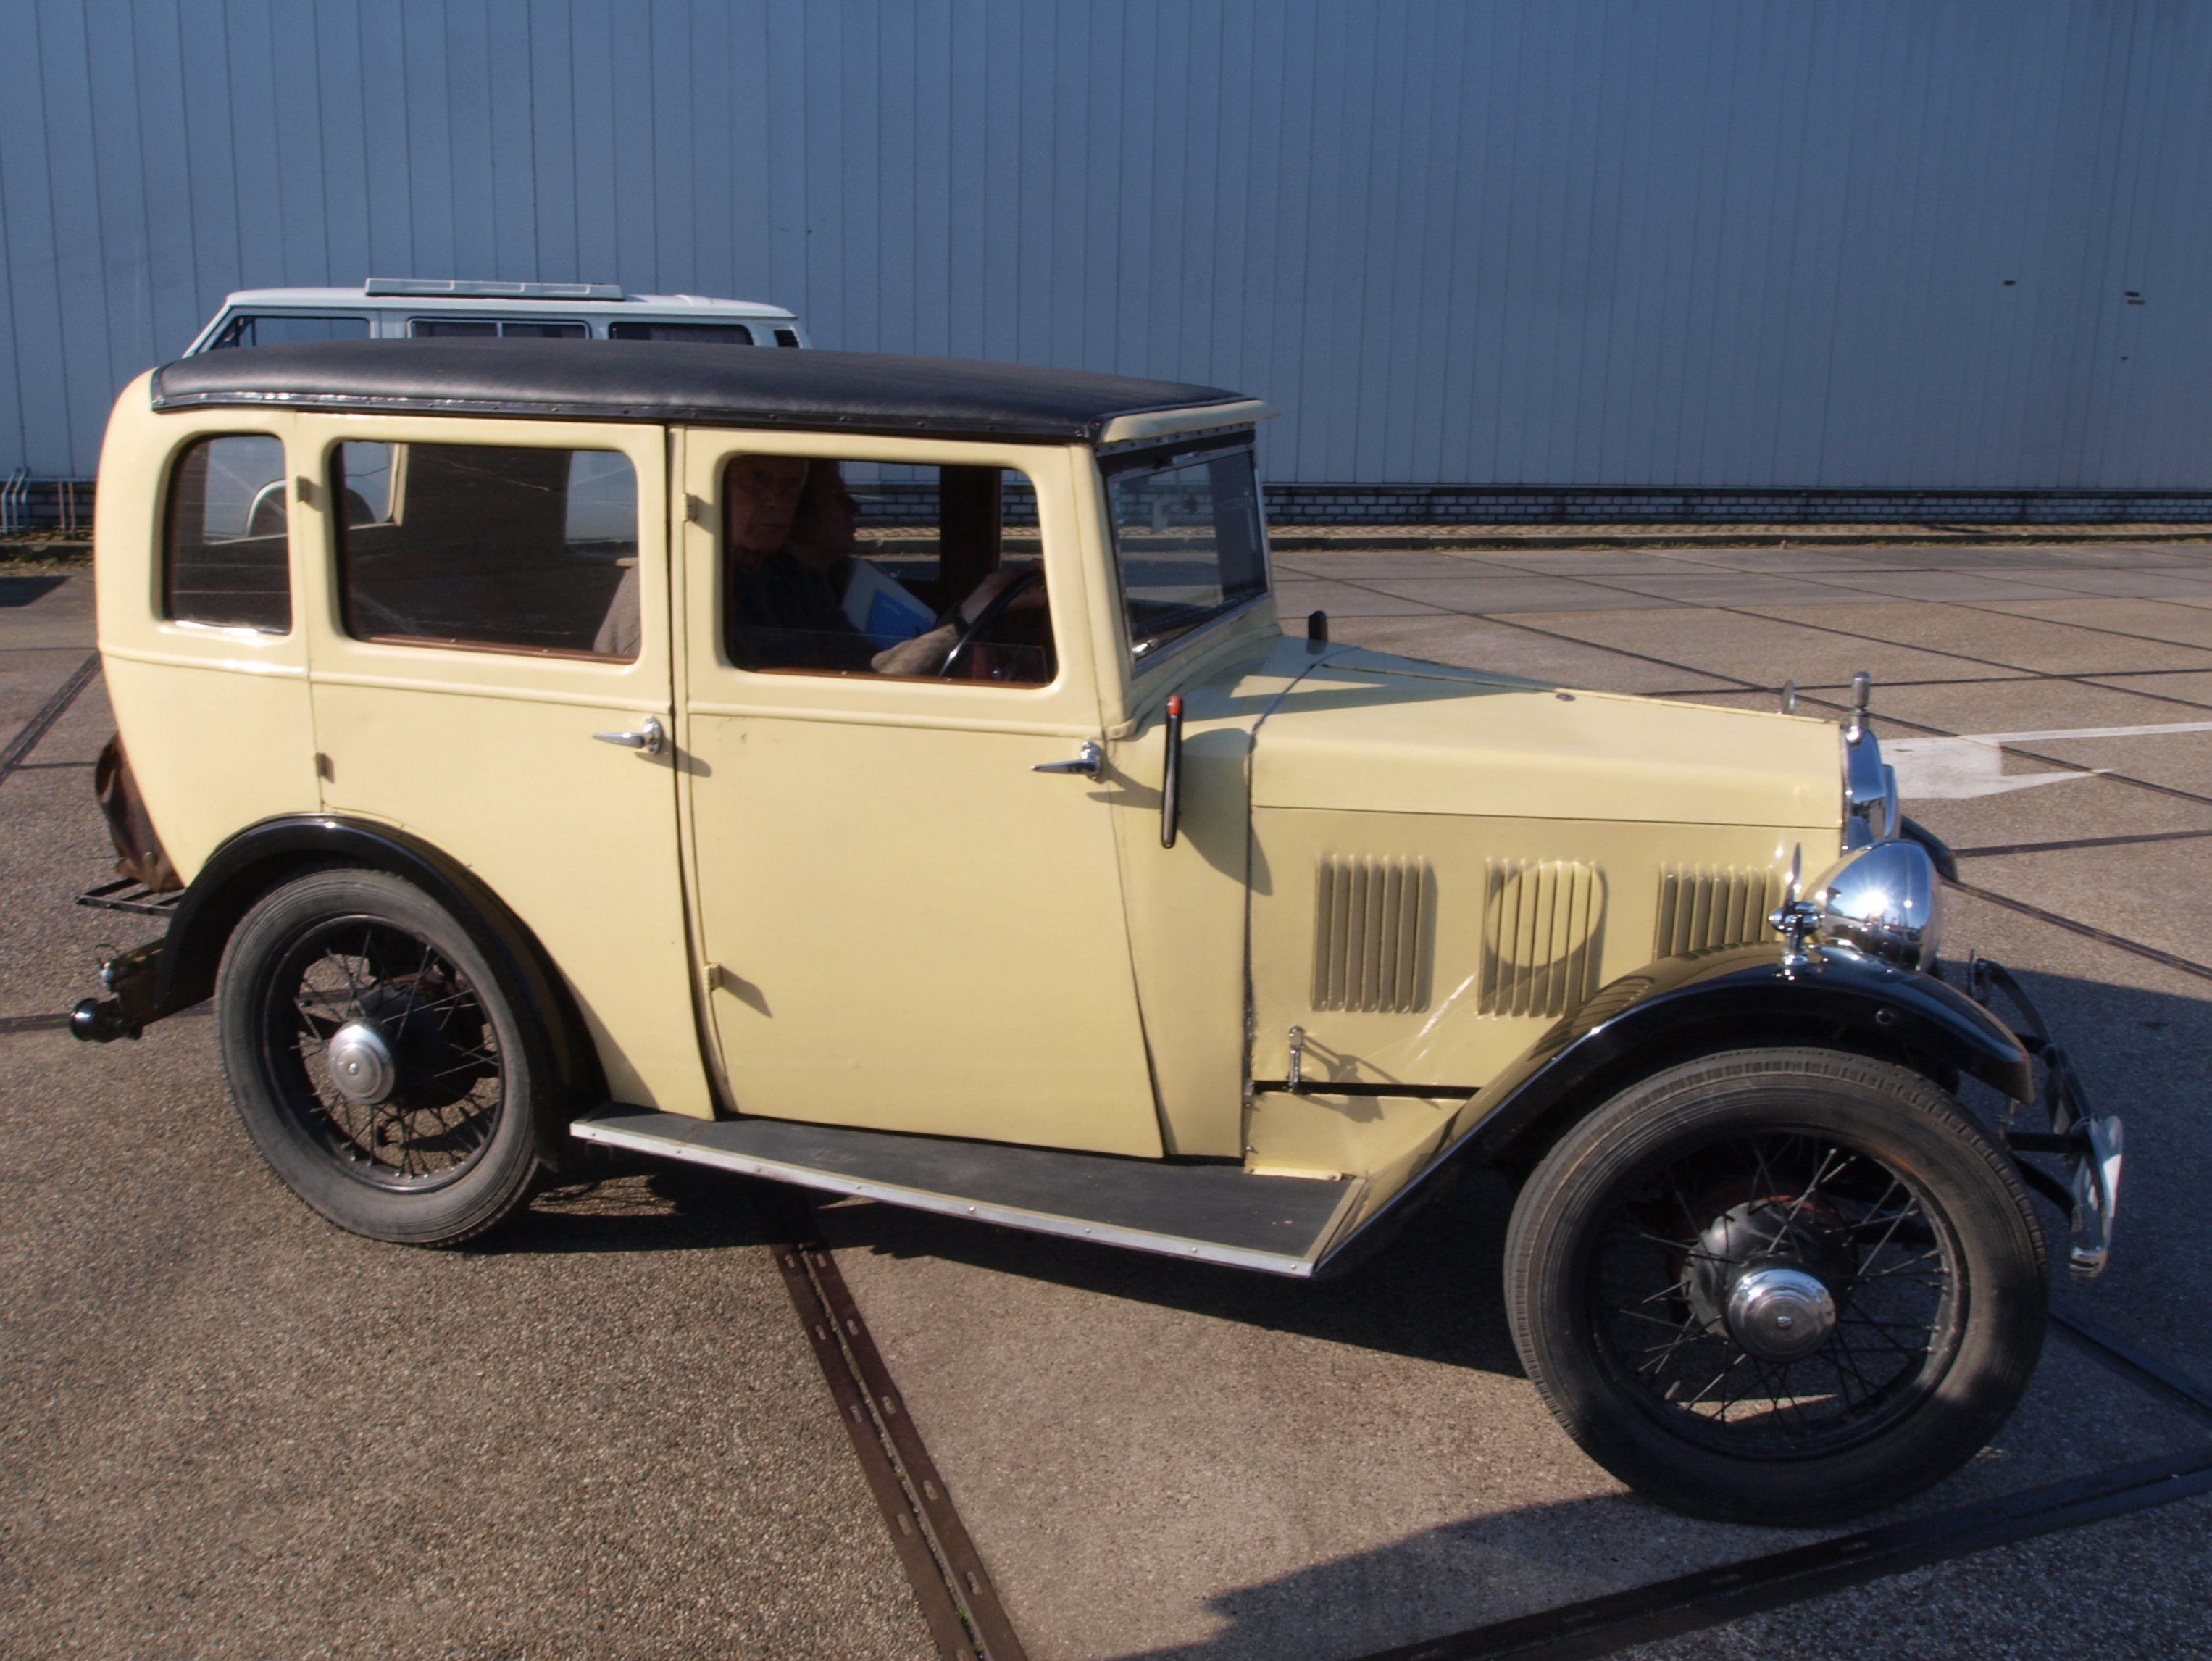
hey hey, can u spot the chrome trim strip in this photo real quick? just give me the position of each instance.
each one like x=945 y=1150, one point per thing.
x=1141 y=427
x=1036 y=1222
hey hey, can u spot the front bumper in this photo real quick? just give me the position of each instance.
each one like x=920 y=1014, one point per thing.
x=2089 y=1143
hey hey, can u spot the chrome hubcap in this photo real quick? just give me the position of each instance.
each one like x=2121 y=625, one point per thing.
x=1780 y=1314
x=360 y=1064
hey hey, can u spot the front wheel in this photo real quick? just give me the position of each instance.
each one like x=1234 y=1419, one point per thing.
x=385 y=1072
x=1781 y=1285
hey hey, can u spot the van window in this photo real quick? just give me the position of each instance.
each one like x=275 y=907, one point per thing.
x=507 y=548
x=1187 y=540
x=446 y=328
x=224 y=559
x=279 y=329
x=703 y=334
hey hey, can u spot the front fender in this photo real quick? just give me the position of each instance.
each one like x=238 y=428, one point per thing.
x=1738 y=997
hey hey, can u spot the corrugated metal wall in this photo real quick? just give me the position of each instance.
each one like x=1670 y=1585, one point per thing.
x=1712 y=242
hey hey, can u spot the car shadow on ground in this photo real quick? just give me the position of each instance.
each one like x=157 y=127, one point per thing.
x=1434 y=1294
x=1537 y=1556
x=616 y=1201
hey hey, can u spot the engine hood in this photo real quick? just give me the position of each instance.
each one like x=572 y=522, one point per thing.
x=1363 y=731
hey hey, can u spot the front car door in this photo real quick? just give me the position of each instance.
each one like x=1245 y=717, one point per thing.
x=493 y=595
x=904 y=926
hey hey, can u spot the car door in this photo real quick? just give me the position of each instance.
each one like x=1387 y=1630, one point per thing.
x=904 y=925
x=493 y=604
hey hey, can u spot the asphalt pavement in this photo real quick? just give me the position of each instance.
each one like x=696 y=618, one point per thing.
x=226 y=1428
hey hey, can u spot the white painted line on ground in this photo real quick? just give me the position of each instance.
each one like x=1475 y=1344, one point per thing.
x=1973 y=764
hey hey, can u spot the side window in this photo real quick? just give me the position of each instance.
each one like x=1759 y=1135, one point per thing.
x=860 y=568
x=446 y=328
x=696 y=334
x=267 y=330
x=224 y=559
x=1188 y=539
x=475 y=545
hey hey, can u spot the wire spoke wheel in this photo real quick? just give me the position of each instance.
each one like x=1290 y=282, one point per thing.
x=1858 y=1266
x=1777 y=1286
x=383 y=1066
x=430 y=1114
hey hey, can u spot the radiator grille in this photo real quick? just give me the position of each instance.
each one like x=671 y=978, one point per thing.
x=1540 y=929
x=1367 y=933
x=1701 y=908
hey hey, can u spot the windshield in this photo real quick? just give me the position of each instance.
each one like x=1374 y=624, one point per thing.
x=1188 y=539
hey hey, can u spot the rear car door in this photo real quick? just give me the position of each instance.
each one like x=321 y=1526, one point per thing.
x=493 y=596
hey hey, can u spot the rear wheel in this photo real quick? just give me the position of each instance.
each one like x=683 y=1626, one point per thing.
x=1782 y=1287
x=378 y=1062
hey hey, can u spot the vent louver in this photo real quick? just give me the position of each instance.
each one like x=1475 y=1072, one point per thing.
x=1367 y=933
x=1540 y=926
x=1700 y=908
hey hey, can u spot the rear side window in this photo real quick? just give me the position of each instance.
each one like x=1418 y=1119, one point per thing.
x=480 y=545
x=264 y=329
x=700 y=334
x=224 y=559
x=446 y=328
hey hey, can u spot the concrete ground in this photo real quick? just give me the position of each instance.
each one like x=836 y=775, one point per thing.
x=225 y=1428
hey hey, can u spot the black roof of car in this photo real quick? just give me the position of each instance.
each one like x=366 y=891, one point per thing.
x=658 y=381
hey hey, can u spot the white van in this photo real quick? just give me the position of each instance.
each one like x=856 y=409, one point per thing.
x=400 y=308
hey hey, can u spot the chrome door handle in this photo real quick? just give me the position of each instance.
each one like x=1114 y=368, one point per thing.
x=1087 y=762
x=650 y=737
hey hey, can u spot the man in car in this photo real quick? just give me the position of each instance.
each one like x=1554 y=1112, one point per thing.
x=780 y=609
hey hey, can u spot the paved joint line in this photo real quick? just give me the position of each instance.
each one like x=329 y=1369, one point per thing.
x=1985 y=609
x=2133 y=1362
x=1711 y=1597
x=27 y=737
x=33 y=1022
x=55 y=1023
x=2088 y=679
x=1997 y=848
x=2089 y=931
x=958 y=1602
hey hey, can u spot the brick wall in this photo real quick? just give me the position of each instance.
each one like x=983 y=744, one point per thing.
x=65 y=505
x=1477 y=504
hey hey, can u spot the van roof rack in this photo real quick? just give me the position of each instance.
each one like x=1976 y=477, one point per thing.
x=448 y=288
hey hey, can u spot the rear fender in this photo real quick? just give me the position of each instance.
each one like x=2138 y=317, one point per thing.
x=265 y=855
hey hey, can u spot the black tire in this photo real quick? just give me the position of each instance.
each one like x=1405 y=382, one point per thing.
x=1628 y=1281
x=453 y=1146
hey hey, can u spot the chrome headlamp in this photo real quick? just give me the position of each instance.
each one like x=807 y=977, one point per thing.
x=1883 y=900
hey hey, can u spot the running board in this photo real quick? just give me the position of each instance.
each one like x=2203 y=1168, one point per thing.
x=1218 y=1213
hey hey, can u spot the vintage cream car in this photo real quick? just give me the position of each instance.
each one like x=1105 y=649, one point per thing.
x=890 y=776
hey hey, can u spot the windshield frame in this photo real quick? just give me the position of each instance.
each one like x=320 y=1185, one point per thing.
x=1163 y=455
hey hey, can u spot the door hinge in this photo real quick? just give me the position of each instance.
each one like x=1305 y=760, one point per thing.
x=695 y=510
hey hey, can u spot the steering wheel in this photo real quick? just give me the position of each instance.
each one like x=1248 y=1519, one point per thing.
x=994 y=609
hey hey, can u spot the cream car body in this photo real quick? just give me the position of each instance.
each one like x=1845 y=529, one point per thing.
x=1210 y=940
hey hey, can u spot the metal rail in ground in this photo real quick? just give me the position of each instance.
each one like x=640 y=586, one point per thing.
x=959 y=1603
